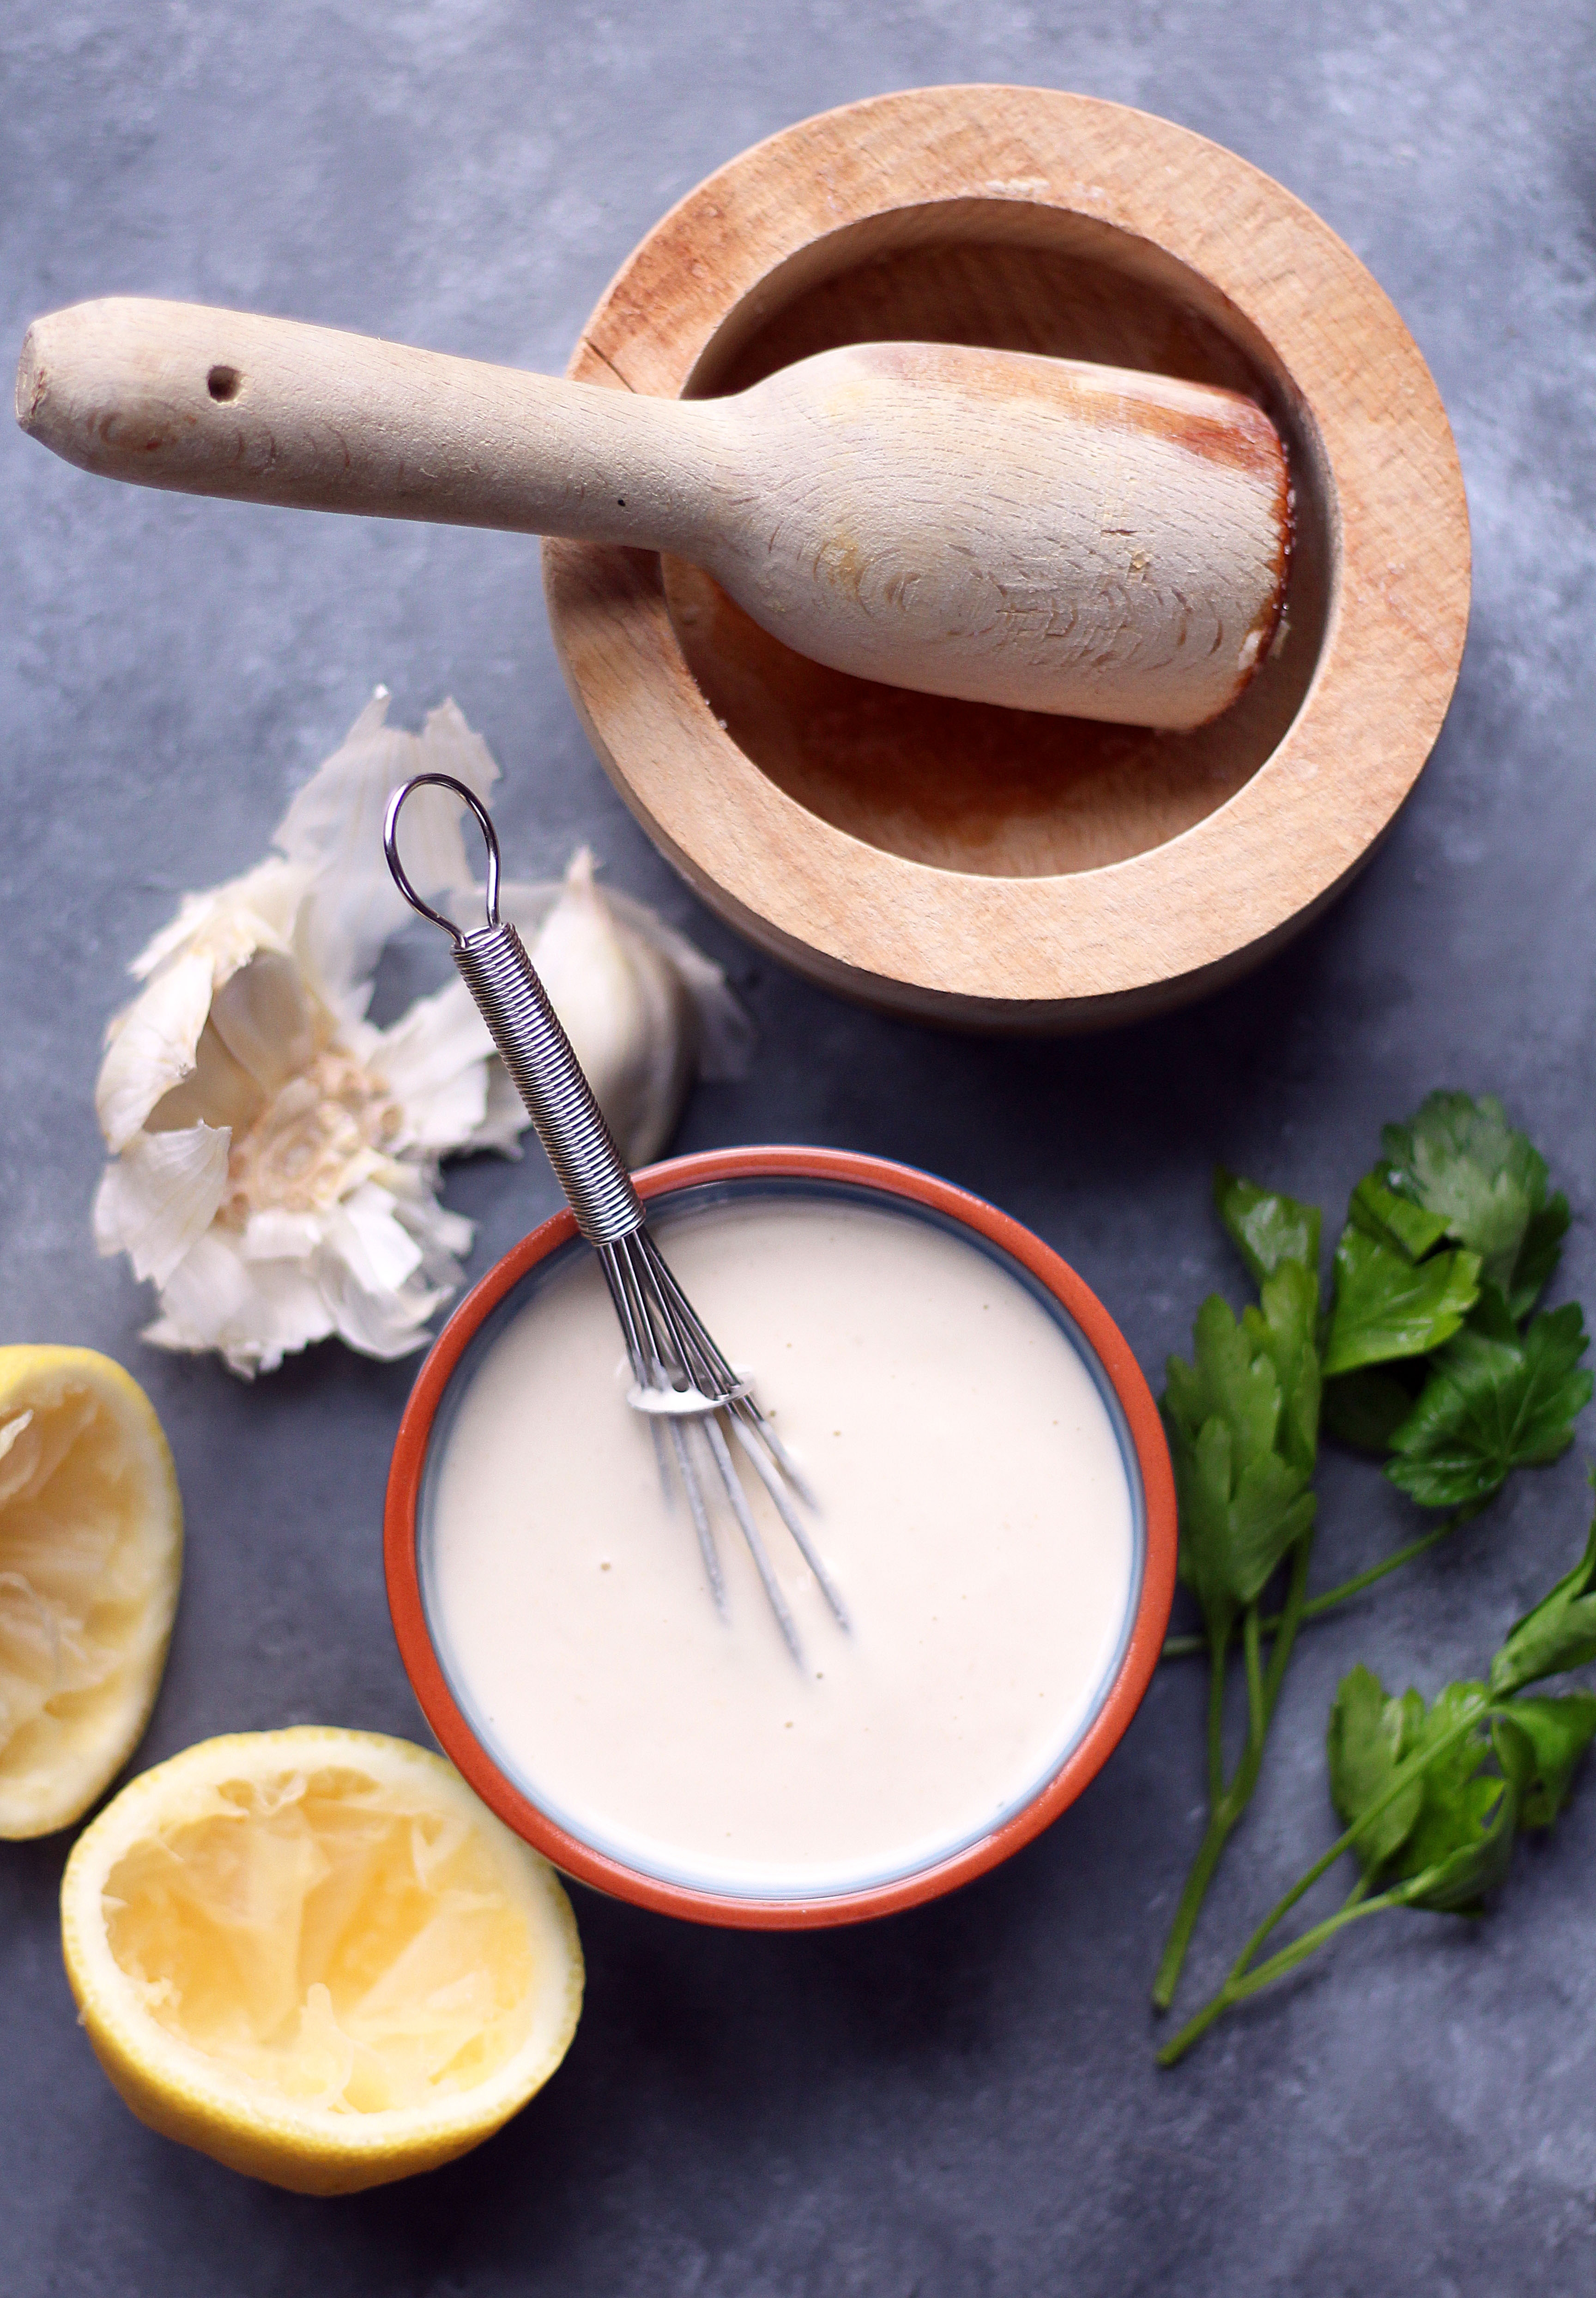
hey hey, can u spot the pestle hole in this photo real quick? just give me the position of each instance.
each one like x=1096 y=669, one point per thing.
x=224 y=382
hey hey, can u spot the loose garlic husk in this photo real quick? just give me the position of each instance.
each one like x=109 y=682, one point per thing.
x=276 y=1169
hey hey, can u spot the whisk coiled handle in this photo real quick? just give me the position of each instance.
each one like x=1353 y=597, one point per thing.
x=533 y=1047
x=535 y=1050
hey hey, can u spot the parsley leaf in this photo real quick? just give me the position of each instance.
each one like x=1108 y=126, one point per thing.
x=1454 y=1824
x=1539 y=1255
x=1540 y=1744
x=1393 y=1220
x=1365 y=1739
x=1463 y=1162
x=1243 y=1433
x=1493 y=1404
x=1266 y=1227
x=1556 y=1635
x=1388 y=1306
x=1464 y=1837
x=1283 y=1327
x=1492 y=1316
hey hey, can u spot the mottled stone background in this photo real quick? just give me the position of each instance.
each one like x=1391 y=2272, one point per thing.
x=961 y=2100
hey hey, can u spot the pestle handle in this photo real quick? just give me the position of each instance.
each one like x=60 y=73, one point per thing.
x=227 y=403
x=1040 y=533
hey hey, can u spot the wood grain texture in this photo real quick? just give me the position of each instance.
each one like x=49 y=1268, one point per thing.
x=938 y=860
x=1045 y=533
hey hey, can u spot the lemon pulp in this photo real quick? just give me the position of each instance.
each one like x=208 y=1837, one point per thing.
x=341 y=1945
x=315 y=1955
x=90 y=1552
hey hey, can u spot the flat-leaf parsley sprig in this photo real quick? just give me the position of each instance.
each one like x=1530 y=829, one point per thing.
x=1243 y=1419
x=1430 y=1354
x=1434 y=1796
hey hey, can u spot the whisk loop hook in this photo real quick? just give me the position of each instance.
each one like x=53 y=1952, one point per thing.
x=690 y=1392
x=484 y=822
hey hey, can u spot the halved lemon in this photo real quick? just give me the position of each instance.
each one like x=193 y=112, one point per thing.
x=314 y=1954
x=91 y=1550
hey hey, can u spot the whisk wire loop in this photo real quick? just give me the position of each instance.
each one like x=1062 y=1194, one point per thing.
x=484 y=822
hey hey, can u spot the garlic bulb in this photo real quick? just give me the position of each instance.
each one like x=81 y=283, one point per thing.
x=275 y=1156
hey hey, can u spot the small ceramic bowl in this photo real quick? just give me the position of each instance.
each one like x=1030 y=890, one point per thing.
x=731 y=1172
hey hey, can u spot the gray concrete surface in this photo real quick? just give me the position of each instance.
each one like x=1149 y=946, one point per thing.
x=963 y=2101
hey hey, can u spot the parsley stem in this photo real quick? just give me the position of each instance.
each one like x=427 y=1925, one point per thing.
x=1287 y=1621
x=1220 y=1824
x=1402 y=1778
x=1263 y=1691
x=1257 y=1721
x=1216 y=1717
x=1221 y=1821
x=1317 y=1606
x=1237 y=1991
x=1285 y=1624
x=1246 y=1979
x=1184 y=1647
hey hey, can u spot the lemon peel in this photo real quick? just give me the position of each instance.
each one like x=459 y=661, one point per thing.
x=314 y=1955
x=91 y=1545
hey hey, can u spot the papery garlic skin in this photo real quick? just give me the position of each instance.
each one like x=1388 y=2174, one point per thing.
x=275 y=1169
x=160 y=1196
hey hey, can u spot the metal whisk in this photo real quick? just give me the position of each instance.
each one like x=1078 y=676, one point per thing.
x=680 y=1378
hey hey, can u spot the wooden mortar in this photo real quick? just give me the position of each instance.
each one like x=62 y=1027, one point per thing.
x=955 y=860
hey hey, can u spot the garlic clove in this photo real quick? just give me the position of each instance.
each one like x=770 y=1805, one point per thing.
x=626 y=1010
x=727 y=1037
x=217 y=1091
x=442 y=1237
x=266 y=1021
x=375 y=1308
x=381 y=1252
x=275 y=1233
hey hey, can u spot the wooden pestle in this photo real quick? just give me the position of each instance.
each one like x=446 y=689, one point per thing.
x=1036 y=532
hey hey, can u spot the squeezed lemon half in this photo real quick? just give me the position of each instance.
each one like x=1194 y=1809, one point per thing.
x=91 y=1549
x=314 y=1954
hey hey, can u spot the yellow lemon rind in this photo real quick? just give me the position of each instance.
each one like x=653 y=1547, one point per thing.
x=43 y=1803
x=172 y=2087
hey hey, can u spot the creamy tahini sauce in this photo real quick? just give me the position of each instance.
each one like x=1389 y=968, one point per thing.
x=975 y=1511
